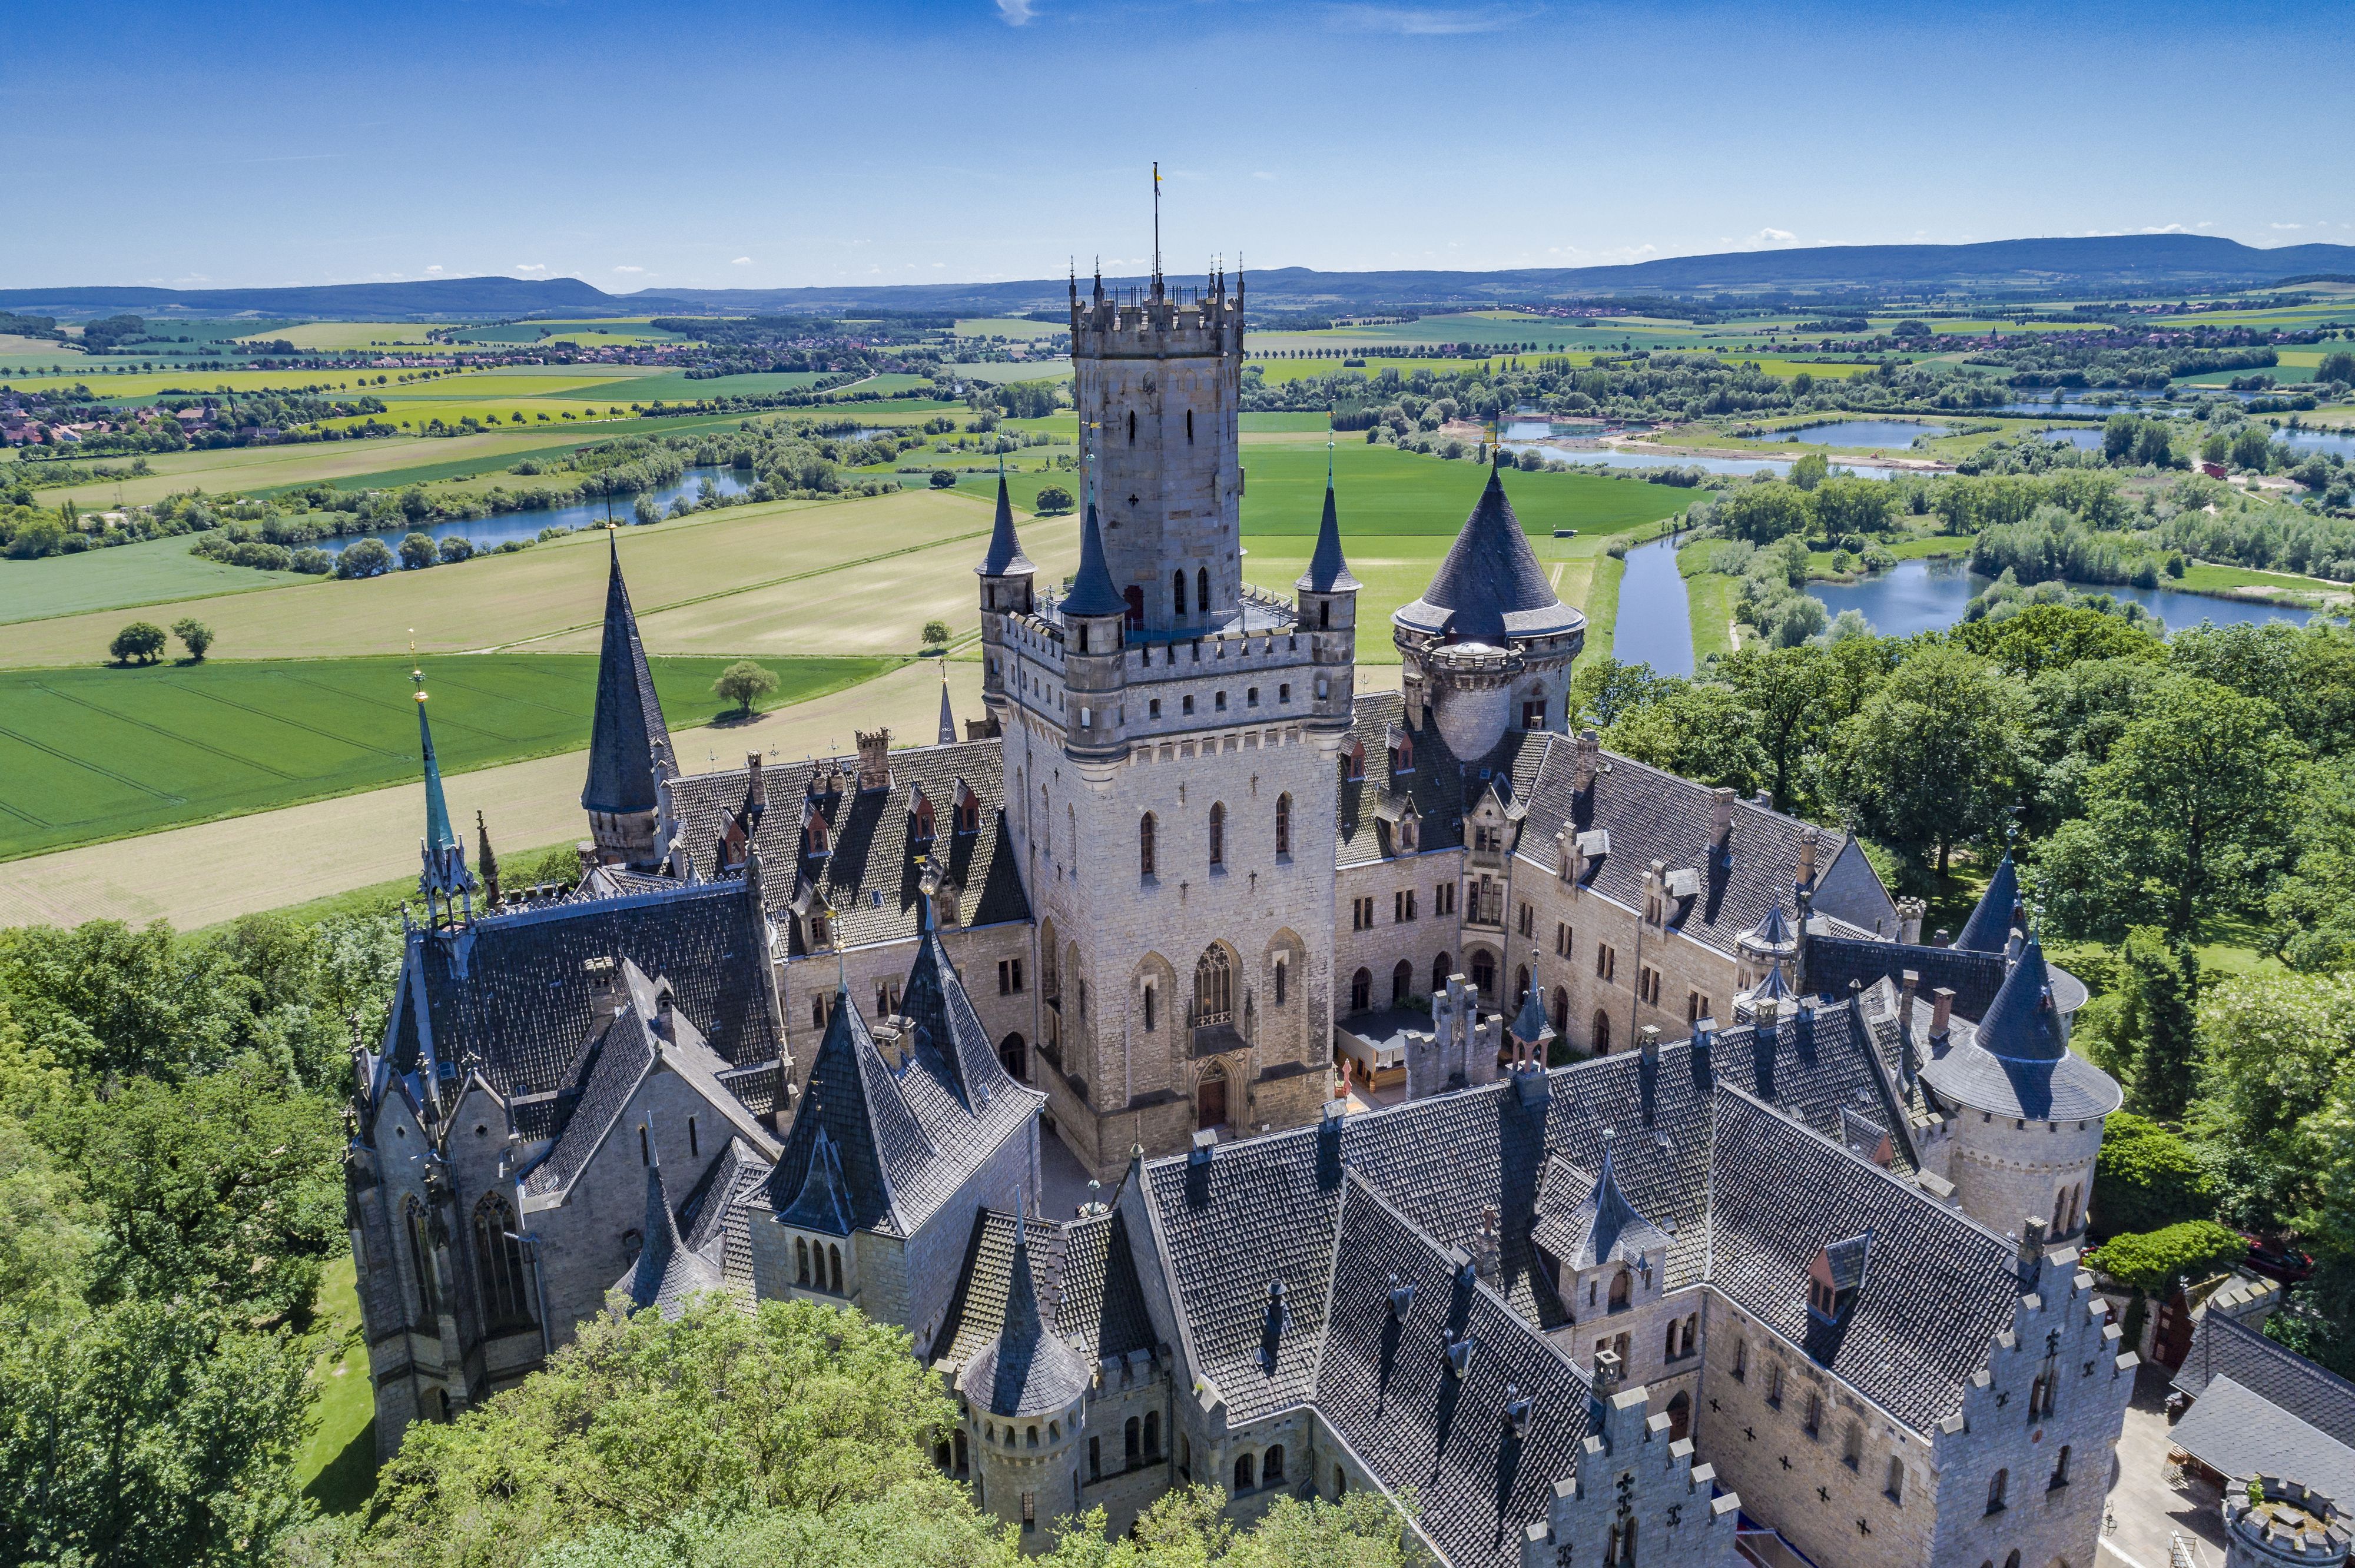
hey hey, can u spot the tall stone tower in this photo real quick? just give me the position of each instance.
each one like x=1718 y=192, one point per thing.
x=1170 y=740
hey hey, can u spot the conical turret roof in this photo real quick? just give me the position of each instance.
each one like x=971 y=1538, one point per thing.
x=1988 y=930
x=2017 y=1062
x=1005 y=558
x=1608 y=1226
x=1327 y=571
x=666 y=1272
x=948 y=716
x=1092 y=590
x=628 y=726
x=1027 y=1369
x=1530 y=1025
x=1490 y=587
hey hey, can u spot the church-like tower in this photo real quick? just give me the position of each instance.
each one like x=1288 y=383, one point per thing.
x=1170 y=736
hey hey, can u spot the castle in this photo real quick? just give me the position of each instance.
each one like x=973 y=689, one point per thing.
x=1671 y=1187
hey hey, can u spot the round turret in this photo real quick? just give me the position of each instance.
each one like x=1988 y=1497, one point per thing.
x=1025 y=1397
x=2284 y=1522
x=1489 y=643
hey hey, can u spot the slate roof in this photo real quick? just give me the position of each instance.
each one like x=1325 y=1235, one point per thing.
x=875 y=1148
x=1004 y=557
x=1327 y=571
x=1092 y=588
x=667 y=1272
x=2226 y=1348
x=1489 y=588
x=718 y=1212
x=1023 y=1369
x=1383 y=1384
x=1974 y=977
x=1938 y=1290
x=627 y=726
x=1988 y=930
x=1819 y=1068
x=2016 y=1063
x=1087 y=1283
x=510 y=993
x=871 y=875
x=2237 y=1432
x=1606 y=1227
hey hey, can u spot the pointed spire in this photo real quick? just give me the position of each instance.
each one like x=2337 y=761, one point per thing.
x=1490 y=587
x=1092 y=590
x=1532 y=1026
x=1328 y=571
x=444 y=858
x=1988 y=930
x=948 y=717
x=2021 y=1024
x=1005 y=558
x=629 y=743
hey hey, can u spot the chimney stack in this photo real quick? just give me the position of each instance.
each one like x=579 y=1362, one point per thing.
x=1649 y=1038
x=1942 y=1010
x=1721 y=820
x=1909 y=921
x=1810 y=841
x=756 y=790
x=874 y=761
x=1910 y=980
x=2031 y=1246
x=1589 y=758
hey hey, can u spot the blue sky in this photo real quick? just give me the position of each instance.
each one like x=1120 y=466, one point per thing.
x=717 y=145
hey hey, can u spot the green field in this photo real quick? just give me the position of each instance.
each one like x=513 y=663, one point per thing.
x=337 y=1465
x=1382 y=489
x=149 y=573
x=675 y=387
x=90 y=754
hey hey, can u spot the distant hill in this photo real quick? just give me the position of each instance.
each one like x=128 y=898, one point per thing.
x=2122 y=264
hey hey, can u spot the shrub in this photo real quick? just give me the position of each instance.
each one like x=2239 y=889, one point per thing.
x=944 y=479
x=364 y=558
x=417 y=552
x=2153 y=1260
x=2148 y=1179
x=311 y=562
x=454 y=549
x=141 y=643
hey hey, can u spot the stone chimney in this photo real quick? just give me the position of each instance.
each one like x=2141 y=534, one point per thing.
x=756 y=790
x=604 y=985
x=1909 y=980
x=2030 y=1254
x=1589 y=758
x=665 y=1014
x=874 y=761
x=1810 y=843
x=1721 y=820
x=1909 y=921
x=1942 y=1012
x=1648 y=1044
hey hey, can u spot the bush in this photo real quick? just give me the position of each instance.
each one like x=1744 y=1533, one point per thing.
x=311 y=562
x=2148 y=1179
x=364 y=558
x=195 y=635
x=2153 y=1261
x=454 y=549
x=417 y=552
x=141 y=643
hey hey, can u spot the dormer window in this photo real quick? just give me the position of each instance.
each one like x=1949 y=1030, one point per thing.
x=920 y=820
x=1401 y=752
x=1408 y=832
x=1835 y=1277
x=968 y=808
x=817 y=930
x=1354 y=761
x=813 y=833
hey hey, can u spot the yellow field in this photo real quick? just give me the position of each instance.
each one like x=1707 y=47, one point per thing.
x=347 y=334
x=539 y=413
x=1007 y=327
x=261 y=468
x=533 y=597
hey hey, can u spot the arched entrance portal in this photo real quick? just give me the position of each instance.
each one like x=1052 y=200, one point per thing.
x=1210 y=1098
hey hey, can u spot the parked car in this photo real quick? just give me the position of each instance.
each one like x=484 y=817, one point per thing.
x=2278 y=1259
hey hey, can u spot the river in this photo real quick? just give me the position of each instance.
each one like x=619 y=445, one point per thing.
x=1655 y=625
x=490 y=532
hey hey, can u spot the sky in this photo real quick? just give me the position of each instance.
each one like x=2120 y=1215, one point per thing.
x=714 y=145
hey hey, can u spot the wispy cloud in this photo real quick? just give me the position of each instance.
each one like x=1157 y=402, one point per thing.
x=1765 y=239
x=435 y=268
x=2285 y=225
x=2176 y=227
x=741 y=262
x=531 y=266
x=1418 y=21
x=629 y=268
x=1014 y=13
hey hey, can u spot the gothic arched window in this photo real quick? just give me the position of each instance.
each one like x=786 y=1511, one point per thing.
x=1439 y=971
x=1144 y=844
x=1131 y=427
x=1283 y=823
x=1362 y=991
x=1401 y=983
x=1218 y=834
x=498 y=1260
x=1177 y=591
x=1214 y=988
x=420 y=1258
x=1202 y=589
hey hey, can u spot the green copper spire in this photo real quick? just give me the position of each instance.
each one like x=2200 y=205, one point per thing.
x=438 y=835
x=444 y=880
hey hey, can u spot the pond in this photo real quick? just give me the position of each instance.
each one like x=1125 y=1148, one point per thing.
x=2339 y=442
x=1929 y=596
x=2085 y=439
x=1655 y=625
x=1891 y=434
x=490 y=532
x=1623 y=457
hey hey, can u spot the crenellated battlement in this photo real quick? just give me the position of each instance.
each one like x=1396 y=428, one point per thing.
x=1137 y=323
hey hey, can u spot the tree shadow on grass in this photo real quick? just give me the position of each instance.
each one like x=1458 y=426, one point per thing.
x=348 y=1480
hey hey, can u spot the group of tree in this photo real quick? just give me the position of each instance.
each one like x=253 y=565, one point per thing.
x=142 y=641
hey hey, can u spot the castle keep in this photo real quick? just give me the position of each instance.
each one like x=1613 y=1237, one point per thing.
x=1604 y=1157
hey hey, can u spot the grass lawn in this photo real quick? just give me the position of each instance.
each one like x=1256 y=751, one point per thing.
x=93 y=754
x=1255 y=424
x=1603 y=605
x=1382 y=489
x=153 y=572
x=1709 y=598
x=338 y=1465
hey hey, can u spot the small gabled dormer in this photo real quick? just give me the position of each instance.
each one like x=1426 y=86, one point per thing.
x=922 y=822
x=967 y=808
x=1401 y=744
x=1835 y=1277
x=1353 y=762
x=816 y=829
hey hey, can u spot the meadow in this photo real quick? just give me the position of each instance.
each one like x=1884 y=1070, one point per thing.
x=90 y=754
x=153 y=572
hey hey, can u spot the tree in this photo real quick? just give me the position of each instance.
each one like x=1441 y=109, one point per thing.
x=1937 y=757
x=937 y=632
x=1762 y=513
x=645 y=511
x=364 y=558
x=454 y=548
x=944 y=479
x=1810 y=470
x=1784 y=690
x=1602 y=690
x=2156 y=1024
x=194 y=635
x=141 y=643
x=2337 y=366
x=1054 y=498
x=2184 y=821
x=743 y=683
x=2275 y=1049
x=2040 y=636
x=1701 y=731
x=2155 y=1261
x=2147 y=1178
x=1852 y=505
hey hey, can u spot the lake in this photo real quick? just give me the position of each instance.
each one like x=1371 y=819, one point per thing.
x=490 y=532
x=2339 y=442
x=1890 y=434
x=1928 y=596
x=2088 y=438
x=1655 y=624
x=1621 y=457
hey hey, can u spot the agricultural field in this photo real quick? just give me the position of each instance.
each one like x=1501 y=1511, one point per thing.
x=675 y=386
x=90 y=753
x=153 y=572
x=339 y=335
x=619 y=332
x=995 y=371
x=1014 y=329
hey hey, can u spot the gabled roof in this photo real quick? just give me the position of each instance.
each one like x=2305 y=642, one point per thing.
x=1606 y=1227
x=1024 y=1369
x=2225 y=1347
x=628 y=726
x=1086 y=1276
x=1988 y=930
x=1004 y=557
x=1489 y=588
x=949 y=1036
x=1327 y=571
